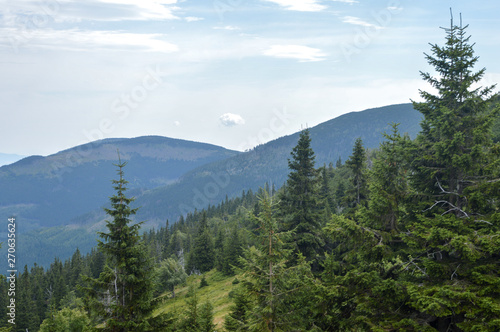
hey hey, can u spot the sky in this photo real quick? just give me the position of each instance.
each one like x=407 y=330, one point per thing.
x=235 y=73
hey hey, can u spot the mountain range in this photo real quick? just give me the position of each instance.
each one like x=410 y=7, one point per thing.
x=58 y=199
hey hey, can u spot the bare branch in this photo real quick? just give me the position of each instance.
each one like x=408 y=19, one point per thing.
x=453 y=208
x=484 y=221
x=434 y=205
x=444 y=191
x=455 y=272
x=418 y=267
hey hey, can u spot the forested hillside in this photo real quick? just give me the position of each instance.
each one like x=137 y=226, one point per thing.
x=401 y=238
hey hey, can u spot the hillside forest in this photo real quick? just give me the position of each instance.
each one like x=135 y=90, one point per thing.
x=402 y=238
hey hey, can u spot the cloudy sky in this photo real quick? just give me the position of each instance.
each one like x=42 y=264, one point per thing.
x=235 y=73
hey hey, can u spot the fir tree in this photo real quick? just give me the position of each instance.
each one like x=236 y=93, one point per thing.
x=219 y=250
x=122 y=294
x=389 y=183
x=206 y=319
x=357 y=164
x=76 y=270
x=232 y=252
x=26 y=313
x=203 y=282
x=359 y=274
x=237 y=319
x=299 y=202
x=191 y=321
x=202 y=255
x=456 y=177
x=269 y=283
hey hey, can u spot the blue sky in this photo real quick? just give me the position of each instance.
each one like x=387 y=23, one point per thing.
x=235 y=73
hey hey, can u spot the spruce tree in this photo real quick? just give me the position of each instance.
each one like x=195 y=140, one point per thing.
x=453 y=233
x=299 y=204
x=232 y=252
x=201 y=257
x=122 y=294
x=357 y=164
x=237 y=319
x=26 y=311
x=206 y=319
x=270 y=284
x=389 y=184
x=360 y=289
x=76 y=270
x=456 y=129
x=191 y=320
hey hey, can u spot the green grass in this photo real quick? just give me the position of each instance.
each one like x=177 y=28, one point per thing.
x=217 y=293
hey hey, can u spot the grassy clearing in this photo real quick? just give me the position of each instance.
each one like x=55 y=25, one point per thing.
x=217 y=293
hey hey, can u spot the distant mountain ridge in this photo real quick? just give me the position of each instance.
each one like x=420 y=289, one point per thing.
x=50 y=191
x=162 y=191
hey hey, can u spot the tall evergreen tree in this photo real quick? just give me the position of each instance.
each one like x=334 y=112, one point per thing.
x=456 y=130
x=123 y=292
x=76 y=270
x=299 y=202
x=389 y=183
x=232 y=252
x=269 y=283
x=326 y=195
x=456 y=178
x=26 y=313
x=206 y=319
x=360 y=289
x=201 y=257
x=357 y=164
x=237 y=319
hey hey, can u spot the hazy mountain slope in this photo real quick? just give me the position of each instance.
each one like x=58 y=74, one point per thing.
x=50 y=191
x=330 y=140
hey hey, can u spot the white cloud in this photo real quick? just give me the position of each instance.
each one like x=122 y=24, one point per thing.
x=299 y=52
x=193 y=19
x=357 y=21
x=230 y=119
x=227 y=27
x=146 y=9
x=300 y=5
x=78 y=40
x=394 y=9
x=346 y=1
x=63 y=11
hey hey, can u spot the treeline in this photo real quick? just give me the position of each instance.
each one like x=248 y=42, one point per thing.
x=203 y=240
x=41 y=293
